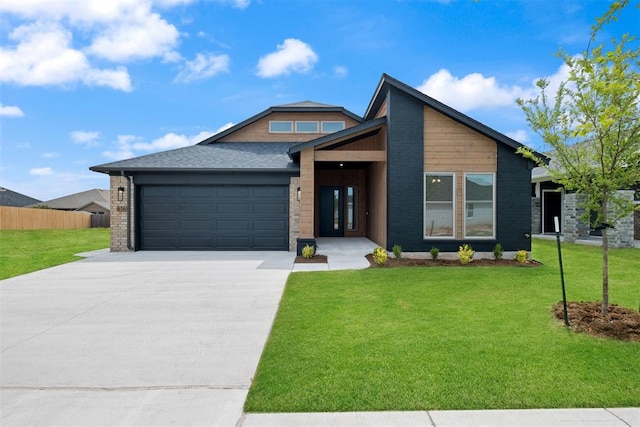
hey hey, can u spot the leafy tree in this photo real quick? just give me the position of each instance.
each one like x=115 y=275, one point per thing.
x=593 y=126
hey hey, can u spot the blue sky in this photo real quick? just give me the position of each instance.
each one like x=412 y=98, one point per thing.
x=86 y=82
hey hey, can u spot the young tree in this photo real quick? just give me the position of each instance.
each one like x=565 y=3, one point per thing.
x=593 y=127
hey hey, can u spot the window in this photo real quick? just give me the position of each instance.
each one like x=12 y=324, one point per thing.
x=280 y=127
x=307 y=127
x=330 y=127
x=352 y=212
x=439 y=196
x=479 y=200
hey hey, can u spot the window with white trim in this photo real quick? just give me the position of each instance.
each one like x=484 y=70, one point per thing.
x=330 y=127
x=307 y=127
x=280 y=127
x=439 y=205
x=479 y=202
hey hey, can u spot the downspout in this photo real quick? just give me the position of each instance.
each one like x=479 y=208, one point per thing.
x=128 y=178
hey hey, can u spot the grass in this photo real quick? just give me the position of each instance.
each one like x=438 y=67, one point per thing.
x=448 y=338
x=24 y=251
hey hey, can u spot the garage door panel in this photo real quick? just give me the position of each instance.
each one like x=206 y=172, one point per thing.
x=233 y=208
x=214 y=217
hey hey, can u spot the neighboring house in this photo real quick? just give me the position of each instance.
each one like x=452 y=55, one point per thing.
x=412 y=172
x=16 y=200
x=549 y=200
x=95 y=201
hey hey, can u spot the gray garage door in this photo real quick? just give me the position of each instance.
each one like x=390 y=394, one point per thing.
x=214 y=217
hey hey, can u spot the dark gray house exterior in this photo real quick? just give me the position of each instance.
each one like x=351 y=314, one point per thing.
x=412 y=171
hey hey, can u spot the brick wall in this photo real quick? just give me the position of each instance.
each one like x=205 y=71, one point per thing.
x=294 y=213
x=119 y=215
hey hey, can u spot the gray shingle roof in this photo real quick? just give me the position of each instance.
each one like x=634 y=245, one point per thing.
x=12 y=198
x=222 y=156
x=79 y=200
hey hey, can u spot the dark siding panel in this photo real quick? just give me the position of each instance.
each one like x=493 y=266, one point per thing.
x=513 y=202
x=214 y=217
x=405 y=159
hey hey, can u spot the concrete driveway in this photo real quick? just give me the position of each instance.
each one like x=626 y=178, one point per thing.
x=146 y=338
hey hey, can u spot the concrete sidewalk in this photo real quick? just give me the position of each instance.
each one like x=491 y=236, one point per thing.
x=621 y=417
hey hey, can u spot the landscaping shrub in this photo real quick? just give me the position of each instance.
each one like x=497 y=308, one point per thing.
x=380 y=255
x=397 y=251
x=522 y=256
x=465 y=254
x=434 y=253
x=497 y=251
x=308 y=251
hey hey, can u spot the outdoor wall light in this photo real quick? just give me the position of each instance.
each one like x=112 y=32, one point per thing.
x=299 y=193
x=120 y=194
x=436 y=179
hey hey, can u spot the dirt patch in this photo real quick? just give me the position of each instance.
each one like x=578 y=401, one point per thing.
x=410 y=262
x=316 y=259
x=621 y=323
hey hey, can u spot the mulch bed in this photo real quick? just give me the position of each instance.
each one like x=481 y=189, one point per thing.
x=410 y=262
x=621 y=323
x=316 y=259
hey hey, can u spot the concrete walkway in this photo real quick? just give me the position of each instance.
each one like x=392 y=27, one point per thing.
x=174 y=338
x=342 y=254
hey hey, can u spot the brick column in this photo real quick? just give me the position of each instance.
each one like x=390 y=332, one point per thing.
x=119 y=215
x=622 y=235
x=294 y=213
x=574 y=228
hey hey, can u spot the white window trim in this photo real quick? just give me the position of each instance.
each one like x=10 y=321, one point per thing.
x=280 y=131
x=464 y=203
x=332 y=121
x=306 y=131
x=424 y=205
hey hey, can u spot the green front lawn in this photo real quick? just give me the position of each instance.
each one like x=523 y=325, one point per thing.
x=448 y=338
x=24 y=251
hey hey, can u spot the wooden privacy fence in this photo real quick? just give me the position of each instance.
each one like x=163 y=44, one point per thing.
x=30 y=219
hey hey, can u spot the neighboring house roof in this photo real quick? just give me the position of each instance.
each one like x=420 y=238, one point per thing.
x=387 y=81
x=78 y=201
x=221 y=157
x=296 y=107
x=12 y=198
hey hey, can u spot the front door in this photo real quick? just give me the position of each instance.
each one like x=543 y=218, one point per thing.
x=551 y=207
x=331 y=212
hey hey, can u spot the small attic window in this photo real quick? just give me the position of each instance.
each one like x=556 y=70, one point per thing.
x=280 y=127
x=307 y=127
x=330 y=127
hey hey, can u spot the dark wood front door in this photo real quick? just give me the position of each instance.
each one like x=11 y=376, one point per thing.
x=331 y=212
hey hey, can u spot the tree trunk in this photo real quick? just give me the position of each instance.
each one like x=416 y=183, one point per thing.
x=605 y=259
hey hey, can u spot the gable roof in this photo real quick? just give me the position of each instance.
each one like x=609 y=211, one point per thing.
x=15 y=199
x=296 y=107
x=351 y=132
x=79 y=200
x=221 y=157
x=386 y=82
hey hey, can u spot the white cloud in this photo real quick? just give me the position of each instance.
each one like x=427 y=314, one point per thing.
x=10 y=111
x=519 y=135
x=143 y=35
x=43 y=56
x=203 y=67
x=291 y=56
x=224 y=127
x=340 y=71
x=87 y=138
x=475 y=91
x=50 y=155
x=128 y=146
x=471 y=92
x=41 y=171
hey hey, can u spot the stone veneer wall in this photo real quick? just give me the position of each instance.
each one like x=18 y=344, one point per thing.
x=294 y=213
x=622 y=235
x=573 y=228
x=536 y=215
x=119 y=215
